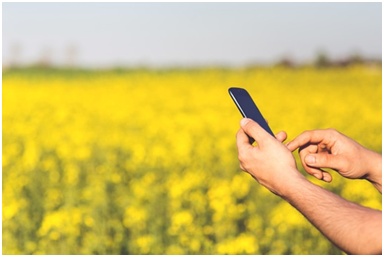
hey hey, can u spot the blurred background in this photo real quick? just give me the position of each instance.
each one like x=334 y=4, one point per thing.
x=188 y=34
x=119 y=134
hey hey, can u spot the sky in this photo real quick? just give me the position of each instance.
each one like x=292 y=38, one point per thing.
x=187 y=34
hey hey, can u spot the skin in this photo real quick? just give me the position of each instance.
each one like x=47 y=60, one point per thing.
x=330 y=149
x=353 y=228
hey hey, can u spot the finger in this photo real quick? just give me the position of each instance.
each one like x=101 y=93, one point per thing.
x=325 y=160
x=327 y=177
x=241 y=138
x=254 y=130
x=314 y=171
x=243 y=146
x=319 y=174
x=313 y=137
x=318 y=161
x=323 y=148
x=281 y=136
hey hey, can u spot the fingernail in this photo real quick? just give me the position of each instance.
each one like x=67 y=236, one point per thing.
x=318 y=176
x=244 y=121
x=310 y=159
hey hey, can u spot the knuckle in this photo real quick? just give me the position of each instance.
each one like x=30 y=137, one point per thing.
x=306 y=135
x=332 y=131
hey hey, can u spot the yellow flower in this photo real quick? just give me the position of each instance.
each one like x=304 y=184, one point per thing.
x=145 y=162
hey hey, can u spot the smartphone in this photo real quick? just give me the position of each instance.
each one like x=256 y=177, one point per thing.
x=248 y=108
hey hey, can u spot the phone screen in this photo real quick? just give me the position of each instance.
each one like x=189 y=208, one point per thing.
x=248 y=108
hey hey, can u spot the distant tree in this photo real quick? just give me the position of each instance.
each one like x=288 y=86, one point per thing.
x=322 y=60
x=356 y=58
x=286 y=62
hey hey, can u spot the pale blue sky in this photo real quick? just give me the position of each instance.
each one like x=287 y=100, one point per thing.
x=157 y=34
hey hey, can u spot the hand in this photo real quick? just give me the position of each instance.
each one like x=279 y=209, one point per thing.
x=269 y=162
x=330 y=149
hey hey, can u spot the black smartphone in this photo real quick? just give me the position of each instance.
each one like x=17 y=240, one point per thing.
x=248 y=108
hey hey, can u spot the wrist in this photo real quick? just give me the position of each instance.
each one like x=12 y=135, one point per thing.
x=374 y=172
x=291 y=183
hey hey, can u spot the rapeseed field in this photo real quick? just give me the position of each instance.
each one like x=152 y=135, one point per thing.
x=145 y=162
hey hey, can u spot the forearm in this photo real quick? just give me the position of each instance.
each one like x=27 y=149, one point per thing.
x=374 y=165
x=353 y=228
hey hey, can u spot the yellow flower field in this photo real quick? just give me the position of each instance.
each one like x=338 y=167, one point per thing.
x=145 y=162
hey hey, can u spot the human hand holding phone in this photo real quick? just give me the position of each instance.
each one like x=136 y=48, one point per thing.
x=269 y=162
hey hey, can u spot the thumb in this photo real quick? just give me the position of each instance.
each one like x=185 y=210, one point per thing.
x=324 y=160
x=254 y=130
